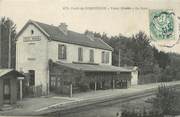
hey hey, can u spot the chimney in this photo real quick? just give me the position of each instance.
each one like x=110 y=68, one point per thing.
x=90 y=35
x=63 y=28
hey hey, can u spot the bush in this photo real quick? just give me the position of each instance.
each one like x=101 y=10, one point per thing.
x=165 y=100
x=144 y=113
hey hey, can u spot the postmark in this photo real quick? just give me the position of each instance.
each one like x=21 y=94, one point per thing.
x=161 y=24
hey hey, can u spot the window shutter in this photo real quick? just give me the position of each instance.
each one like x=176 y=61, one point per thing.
x=80 y=54
x=91 y=56
x=59 y=51
x=102 y=57
x=65 y=55
x=107 y=57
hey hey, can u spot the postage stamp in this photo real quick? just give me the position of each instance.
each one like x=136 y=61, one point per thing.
x=161 y=24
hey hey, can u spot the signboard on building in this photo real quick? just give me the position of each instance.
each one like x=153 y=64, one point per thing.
x=32 y=38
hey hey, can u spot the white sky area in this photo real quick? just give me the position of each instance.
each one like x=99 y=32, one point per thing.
x=111 y=21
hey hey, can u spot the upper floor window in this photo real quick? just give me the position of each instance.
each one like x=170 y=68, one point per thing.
x=32 y=32
x=80 y=54
x=61 y=51
x=102 y=57
x=31 y=51
x=91 y=55
x=105 y=57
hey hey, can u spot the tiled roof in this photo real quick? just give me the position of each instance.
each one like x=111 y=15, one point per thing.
x=10 y=71
x=72 y=37
x=91 y=68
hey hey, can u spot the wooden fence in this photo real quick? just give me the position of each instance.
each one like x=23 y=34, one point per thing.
x=33 y=91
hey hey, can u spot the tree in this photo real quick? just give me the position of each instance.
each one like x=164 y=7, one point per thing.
x=144 y=57
x=154 y=65
x=8 y=31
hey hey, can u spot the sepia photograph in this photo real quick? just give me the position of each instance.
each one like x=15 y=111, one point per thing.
x=90 y=58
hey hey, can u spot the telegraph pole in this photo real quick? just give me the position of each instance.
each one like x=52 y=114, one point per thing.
x=0 y=42
x=119 y=58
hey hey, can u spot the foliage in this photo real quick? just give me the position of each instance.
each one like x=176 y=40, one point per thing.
x=164 y=103
x=154 y=65
x=144 y=113
x=165 y=100
x=7 y=26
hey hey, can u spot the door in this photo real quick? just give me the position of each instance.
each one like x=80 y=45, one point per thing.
x=53 y=83
x=7 y=91
x=32 y=77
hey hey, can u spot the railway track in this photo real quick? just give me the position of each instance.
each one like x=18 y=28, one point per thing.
x=93 y=104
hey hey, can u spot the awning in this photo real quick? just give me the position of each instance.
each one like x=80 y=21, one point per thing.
x=13 y=72
x=93 y=67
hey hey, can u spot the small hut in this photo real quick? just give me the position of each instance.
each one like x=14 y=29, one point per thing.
x=8 y=86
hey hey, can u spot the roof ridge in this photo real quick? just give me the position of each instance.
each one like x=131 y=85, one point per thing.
x=53 y=26
x=43 y=23
x=56 y=27
x=52 y=33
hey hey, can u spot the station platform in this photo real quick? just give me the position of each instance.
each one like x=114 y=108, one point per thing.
x=45 y=104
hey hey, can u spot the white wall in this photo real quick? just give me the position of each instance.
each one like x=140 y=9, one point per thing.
x=37 y=50
x=44 y=50
x=72 y=53
x=134 y=77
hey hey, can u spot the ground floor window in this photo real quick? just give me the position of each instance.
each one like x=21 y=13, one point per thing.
x=55 y=82
x=58 y=82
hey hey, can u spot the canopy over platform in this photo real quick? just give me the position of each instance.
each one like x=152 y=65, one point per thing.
x=4 y=72
x=93 y=67
x=89 y=75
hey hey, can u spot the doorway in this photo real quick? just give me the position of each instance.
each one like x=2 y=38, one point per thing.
x=32 y=77
x=7 y=91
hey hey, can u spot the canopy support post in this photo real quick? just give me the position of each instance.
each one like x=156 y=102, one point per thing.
x=113 y=84
x=71 y=90
x=95 y=86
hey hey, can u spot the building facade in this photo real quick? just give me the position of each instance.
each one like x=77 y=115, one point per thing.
x=38 y=44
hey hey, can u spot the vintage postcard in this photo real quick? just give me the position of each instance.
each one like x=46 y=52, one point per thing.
x=82 y=58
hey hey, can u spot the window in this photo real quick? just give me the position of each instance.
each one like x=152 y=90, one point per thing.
x=91 y=55
x=80 y=54
x=53 y=81
x=58 y=82
x=31 y=77
x=61 y=51
x=102 y=57
x=32 y=32
x=31 y=51
x=105 y=57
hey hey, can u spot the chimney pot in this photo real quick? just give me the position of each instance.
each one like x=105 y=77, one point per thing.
x=90 y=35
x=63 y=28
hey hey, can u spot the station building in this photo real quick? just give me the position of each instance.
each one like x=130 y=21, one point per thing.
x=61 y=60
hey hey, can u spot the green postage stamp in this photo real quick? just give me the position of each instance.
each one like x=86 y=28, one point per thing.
x=161 y=24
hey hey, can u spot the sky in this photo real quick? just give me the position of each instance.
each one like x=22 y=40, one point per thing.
x=113 y=17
